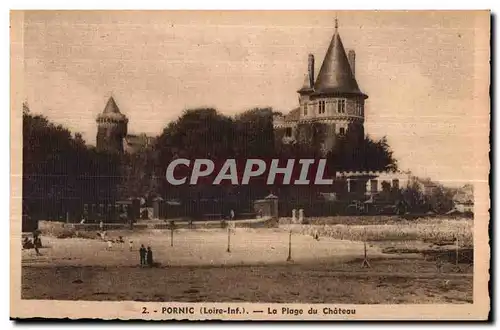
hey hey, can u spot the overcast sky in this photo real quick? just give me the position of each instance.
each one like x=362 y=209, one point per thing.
x=420 y=70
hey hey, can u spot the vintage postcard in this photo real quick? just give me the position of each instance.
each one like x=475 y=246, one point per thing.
x=250 y=165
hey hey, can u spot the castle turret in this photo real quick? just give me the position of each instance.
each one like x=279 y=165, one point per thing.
x=111 y=128
x=337 y=98
x=332 y=98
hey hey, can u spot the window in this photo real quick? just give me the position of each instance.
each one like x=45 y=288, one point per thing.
x=395 y=184
x=359 y=107
x=305 y=109
x=341 y=106
x=288 y=132
x=321 y=107
x=342 y=131
x=374 y=186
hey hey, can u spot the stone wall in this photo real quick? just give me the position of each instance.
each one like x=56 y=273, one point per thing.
x=55 y=228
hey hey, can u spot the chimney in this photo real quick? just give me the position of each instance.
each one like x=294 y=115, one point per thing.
x=352 y=61
x=310 y=70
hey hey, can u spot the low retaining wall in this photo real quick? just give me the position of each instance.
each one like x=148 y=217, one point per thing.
x=266 y=222
x=55 y=227
x=51 y=226
x=346 y=220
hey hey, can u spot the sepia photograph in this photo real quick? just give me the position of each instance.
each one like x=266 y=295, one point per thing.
x=250 y=165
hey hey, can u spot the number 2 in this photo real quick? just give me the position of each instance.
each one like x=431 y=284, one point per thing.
x=144 y=310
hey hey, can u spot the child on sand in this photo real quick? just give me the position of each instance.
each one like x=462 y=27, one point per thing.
x=130 y=245
x=110 y=244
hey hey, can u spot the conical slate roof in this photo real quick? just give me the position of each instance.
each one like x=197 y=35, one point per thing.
x=335 y=74
x=111 y=111
x=306 y=85
x=111 y=106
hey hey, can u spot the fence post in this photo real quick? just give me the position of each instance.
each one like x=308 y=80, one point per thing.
x=172 y=224
x=289 y=246
x=365 y=259
x=228 y=239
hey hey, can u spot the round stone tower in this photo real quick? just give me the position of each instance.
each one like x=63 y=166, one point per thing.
x=111 y=128
x=333 y=96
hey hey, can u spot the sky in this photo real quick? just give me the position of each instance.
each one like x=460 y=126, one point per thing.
x=425 y=73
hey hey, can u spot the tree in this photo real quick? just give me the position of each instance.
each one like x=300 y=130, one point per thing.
x=254 y=134
x=198 y=133
x=440 y=200
x=368 y=155
x=414 y=198
x=138 y=174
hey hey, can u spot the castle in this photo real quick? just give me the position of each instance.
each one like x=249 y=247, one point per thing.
x=331 y=105
x=332 y=98
x=112 y=135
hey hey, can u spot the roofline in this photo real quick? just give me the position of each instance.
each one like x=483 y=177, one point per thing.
x=333 y=93
x=305 y=91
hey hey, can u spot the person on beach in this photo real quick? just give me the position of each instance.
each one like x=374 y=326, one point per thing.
x=142 y=254
x=110 y=244
x=150 y=257
x=130 y=245
x=37 y=244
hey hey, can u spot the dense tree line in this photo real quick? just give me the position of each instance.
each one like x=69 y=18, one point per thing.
x=59 y=169
x=60 y=172
x=205 y=133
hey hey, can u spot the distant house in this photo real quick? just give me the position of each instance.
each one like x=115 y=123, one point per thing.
x=134 y=143
x=427 y=186
x=464 y=199
x=367 y=183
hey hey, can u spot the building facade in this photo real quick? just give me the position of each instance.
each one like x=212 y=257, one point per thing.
x=330 y=100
